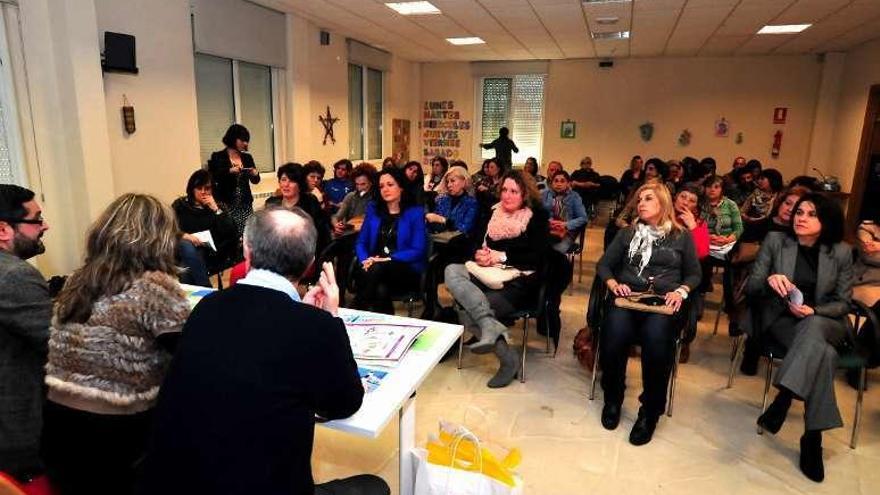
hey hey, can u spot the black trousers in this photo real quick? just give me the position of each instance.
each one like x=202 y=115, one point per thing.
x=364 y=484
x=376 y=286
x=655 y=334
x=94 y=454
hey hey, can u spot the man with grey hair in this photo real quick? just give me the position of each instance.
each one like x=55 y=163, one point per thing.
x=25 y=310
x=255 y=366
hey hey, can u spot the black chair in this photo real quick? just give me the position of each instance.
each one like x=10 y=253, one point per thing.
x=854 y=358
x=597 y=308
x=409 y=298
x=536 y=312
x=577 y=249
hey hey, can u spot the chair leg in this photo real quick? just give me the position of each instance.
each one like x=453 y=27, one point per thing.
x=673 y=379
x=857 y=423
x=571 y=278
x=581 y=260
x=410 y=308
x=525 y=346
x=595 y=372
x=767 y=378
x=718 y=318
x=220 y=280
x=460 y=348
x=735 y=357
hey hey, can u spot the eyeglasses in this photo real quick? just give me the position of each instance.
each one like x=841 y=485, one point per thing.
x=32 y=221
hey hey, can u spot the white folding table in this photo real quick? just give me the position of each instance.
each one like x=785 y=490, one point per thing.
x=396 y=394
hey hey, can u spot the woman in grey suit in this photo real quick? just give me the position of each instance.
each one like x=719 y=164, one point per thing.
x=804 y=284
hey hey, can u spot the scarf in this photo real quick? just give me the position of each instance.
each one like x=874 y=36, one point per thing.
x=505 y=225
x=643 y=241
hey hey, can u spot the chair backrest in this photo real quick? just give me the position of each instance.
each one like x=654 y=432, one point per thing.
x=597 y=303
x=866 y=320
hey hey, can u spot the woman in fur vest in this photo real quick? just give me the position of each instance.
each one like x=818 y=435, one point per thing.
x=114 y=325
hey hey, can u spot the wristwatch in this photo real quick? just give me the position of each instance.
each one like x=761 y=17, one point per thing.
x=503 y=258
x=682 y=292
x=218 y=211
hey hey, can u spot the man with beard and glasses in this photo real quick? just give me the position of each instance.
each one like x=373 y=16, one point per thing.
x=25 y=310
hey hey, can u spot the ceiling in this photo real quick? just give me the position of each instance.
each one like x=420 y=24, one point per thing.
x=560 y=29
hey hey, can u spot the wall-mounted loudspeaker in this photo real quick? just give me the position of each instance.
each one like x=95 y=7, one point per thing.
x=119 y=53
x=606 y=64
x=325 y=38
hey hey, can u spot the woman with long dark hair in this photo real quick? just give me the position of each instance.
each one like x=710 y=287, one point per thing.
x=392 y=248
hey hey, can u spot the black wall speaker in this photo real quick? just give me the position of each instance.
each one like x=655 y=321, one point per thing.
x=325 y=38
x=119 y=53
x=606 y=64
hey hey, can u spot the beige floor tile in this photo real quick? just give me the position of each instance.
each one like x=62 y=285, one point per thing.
x=709 y=445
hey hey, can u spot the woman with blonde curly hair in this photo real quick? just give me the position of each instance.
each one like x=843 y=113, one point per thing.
x=109 y=347
x=655 y=252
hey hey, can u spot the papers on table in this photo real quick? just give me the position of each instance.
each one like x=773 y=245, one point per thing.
x=371 y=378
x=206 y=238
x=381 y=344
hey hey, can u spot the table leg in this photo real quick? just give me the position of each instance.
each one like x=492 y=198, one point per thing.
x=407 y=442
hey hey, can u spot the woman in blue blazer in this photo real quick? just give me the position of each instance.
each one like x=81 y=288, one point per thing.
x=392 y=246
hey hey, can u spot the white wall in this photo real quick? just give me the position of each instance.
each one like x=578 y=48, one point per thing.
x=609 y=105
x=861 y=71
x=164 y=150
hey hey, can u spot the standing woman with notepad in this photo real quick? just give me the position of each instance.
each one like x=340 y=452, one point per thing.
x=234 y=171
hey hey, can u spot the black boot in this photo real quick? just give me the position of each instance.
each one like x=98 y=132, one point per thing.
x=751 y=355
x=509 y=365
x=811 y=456
x=643 y=429
x=774 y=416
x=610 y=416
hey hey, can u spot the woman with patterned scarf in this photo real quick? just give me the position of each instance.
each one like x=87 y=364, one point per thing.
x=517 y=235
x=655 y=253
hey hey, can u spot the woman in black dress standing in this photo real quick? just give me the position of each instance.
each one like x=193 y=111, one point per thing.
x=234 y=171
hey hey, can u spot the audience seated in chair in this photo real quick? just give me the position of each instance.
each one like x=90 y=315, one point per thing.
x=688 y=209
x=392 y=247
x=255 y=367
x=516 y=236
x=293 y=180
x=434 y=181
x=456 y=211
x=531 y=167
x=313 y=172
x=354 y=205
x=25 y=312
x=339 y=186
x=567 y=214
x=656 y=248
x=197 y=212
x=723 y=218
x=115 y=326
x=800 y=285
x=759 y=204
x=586 y=182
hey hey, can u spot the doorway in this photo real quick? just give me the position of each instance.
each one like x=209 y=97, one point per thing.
x=866 y=181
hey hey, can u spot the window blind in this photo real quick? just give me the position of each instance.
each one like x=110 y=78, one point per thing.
x=240 y=30
x=215 y=102
x=517 y=103
x=255 y=92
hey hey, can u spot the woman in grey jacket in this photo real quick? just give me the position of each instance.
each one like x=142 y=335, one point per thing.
x=804 y=284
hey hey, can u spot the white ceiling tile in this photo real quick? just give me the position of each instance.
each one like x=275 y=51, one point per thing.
x=748 y=20
x=809 y=11
x=759 y=45
x=723 y=45
x=658 y=5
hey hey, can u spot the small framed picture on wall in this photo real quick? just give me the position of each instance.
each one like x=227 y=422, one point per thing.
x=567 y=129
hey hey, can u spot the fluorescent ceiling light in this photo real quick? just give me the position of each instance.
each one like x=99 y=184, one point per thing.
x=607 y=20
x=616 y=35
x=593 y=2
x=413 y=8
x=472 y=40
x=783 y=29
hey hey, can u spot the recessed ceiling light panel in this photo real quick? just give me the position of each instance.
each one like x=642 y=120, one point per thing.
x=413 y=8
x=472 y=40
x=783 y=28
x=616 y=35
x=607 y=20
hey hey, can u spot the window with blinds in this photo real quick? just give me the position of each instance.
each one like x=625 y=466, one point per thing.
x=229 y=91
x=515 y=102
x=365 y=107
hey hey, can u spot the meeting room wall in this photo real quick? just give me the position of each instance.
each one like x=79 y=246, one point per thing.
x=861 y=71
x=164 y=150
x=609 y=105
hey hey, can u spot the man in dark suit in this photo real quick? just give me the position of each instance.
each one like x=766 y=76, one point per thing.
x=25 y=311
x=255 y=366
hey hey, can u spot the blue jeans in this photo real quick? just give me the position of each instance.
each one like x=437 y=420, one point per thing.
x=193 y=261
x=655 y=334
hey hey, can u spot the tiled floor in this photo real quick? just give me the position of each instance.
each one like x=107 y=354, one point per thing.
x=708 y=446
